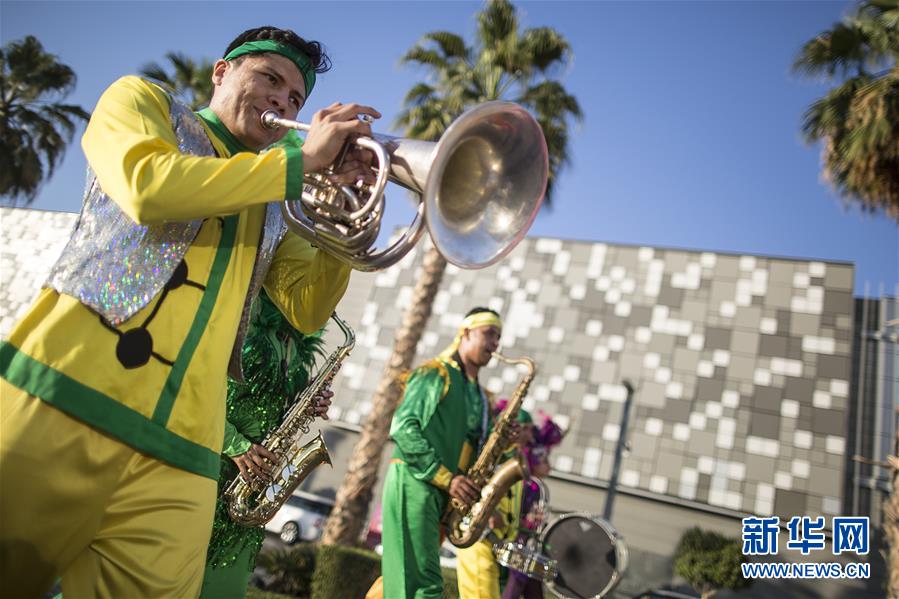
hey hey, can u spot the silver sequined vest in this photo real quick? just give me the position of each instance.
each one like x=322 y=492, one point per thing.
x=116 y=267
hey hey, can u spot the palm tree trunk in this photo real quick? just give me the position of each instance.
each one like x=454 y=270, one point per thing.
x=350 y=512
x=891 y=526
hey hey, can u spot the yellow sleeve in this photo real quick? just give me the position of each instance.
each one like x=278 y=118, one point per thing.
x=442 y=478
x=305 y=283
x=130 y=145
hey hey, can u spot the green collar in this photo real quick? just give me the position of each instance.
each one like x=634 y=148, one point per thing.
x=218 y=127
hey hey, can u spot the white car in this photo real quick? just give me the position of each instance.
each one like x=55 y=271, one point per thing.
x=301 y=518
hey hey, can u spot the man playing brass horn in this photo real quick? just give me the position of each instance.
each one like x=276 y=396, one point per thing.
x=114 y=381
x=437 y=429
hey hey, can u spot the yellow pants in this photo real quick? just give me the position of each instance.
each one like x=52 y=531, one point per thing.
x=477 y=572
x=111 y=521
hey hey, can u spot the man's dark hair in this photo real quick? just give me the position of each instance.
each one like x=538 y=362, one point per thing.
x=478 y=310
x=320 y=61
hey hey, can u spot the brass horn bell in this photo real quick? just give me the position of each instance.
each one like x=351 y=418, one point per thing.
x=480 y=188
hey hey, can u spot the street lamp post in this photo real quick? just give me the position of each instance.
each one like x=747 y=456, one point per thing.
x=619 y=451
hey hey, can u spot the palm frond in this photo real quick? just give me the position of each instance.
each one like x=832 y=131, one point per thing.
x=857 y=121
x=34 y=127
x=450 y=44
x=544 y=48
x=504 y=63
x=496 y=22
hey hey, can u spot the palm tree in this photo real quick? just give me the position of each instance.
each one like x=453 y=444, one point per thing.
x=858 y=120
x=191 y=81
x=503 y=63
x=35 y=126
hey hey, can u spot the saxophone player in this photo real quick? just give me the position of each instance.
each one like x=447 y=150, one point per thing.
x=479 y=574
x=438 y=428
x=277 y=361
x=544 y=435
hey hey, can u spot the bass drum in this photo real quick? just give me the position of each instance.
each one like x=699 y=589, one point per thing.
x=590 y=556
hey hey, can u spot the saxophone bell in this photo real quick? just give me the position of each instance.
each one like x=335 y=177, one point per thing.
x=253 y=501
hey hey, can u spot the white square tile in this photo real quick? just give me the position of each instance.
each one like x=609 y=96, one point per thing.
x=643 y=335
x=789 y=408
x=630 y=478
x=696 y=341
x=821 y=399
x=658 y=484
x=616 y=343
x=556 y=383
x=721 y=357
x=835 y=444
x=674 y=390
x=839 y=388
x=783 y=480
x=802 y=439
x=563 y=463
x=681 y=432
x=831 y=506
x=610 y=431
x=555 y=334
x=714 y=409
x=590 y=402
x=651 y=360
x=663 y=375
x=768 y=326
x=800 y=468
x=593 y=328
x=654 y=426
x=730 y=398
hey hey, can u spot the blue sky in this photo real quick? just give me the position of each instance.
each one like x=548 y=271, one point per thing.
x=691 y=131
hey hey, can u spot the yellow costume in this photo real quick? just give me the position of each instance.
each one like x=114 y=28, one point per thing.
x=169 y=407
x=477 y=571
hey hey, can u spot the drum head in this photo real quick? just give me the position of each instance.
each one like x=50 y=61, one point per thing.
x=588 y=553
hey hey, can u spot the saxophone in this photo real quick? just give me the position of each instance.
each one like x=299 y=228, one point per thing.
x=465 y=524
x=254 y=502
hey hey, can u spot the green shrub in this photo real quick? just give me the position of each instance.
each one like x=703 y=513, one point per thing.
x=710 y=562
x=344 y=572
x=291 y=569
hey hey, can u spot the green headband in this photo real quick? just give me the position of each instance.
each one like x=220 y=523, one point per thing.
x=298 y=58
x=524 y=417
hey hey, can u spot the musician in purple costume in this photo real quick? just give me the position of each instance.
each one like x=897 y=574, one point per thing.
x=546 y=435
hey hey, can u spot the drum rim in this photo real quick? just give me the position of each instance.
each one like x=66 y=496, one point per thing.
x=538 y=556
x=618 y=545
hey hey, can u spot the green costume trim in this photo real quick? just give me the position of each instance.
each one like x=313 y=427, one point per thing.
x=277 y=359
x=104 y=413
x=304 y=64
x=293 y=147
x=218 y=127
x=201 y=319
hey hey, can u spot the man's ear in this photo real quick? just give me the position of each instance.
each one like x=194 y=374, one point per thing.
x=218 y=71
